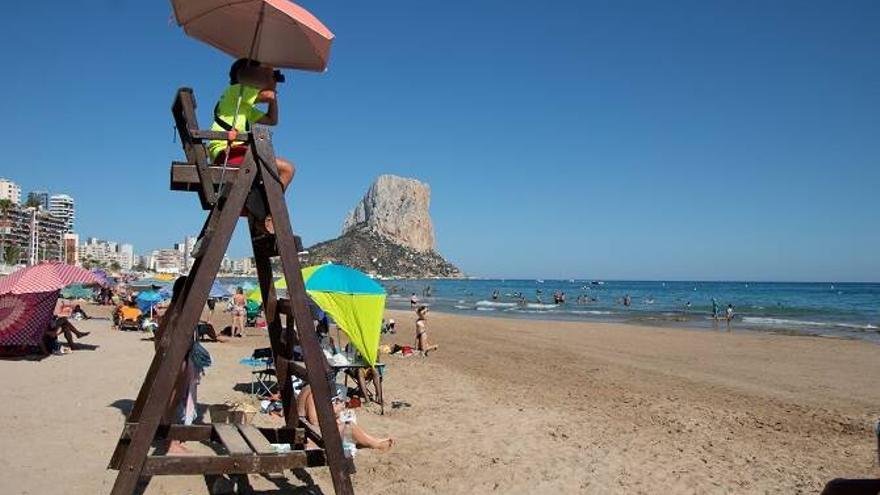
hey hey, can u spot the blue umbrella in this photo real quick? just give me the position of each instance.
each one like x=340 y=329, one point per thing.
x=218 y=291
x=147 y=299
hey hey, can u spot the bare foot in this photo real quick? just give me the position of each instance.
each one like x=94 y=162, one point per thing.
x=177 y=448
x=82 y=334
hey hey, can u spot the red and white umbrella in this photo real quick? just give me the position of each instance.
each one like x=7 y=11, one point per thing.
x=25 y=317
x=279 y=33
x=45 y=277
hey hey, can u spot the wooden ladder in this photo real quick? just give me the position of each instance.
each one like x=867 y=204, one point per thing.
x=242 y=449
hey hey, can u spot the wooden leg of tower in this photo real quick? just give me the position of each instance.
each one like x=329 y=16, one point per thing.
x=316 y=363
x=281 y=351
x=168 y=318
x=177 y=338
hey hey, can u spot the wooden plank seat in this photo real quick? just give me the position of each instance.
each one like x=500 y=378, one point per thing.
x=248 y=449
x=185 y=176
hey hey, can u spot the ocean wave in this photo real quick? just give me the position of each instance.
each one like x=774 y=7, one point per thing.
x=760 y=320
x=540 y=306
x=481 y=308
x=495 y=304
x=592 y=312
x=459 y=306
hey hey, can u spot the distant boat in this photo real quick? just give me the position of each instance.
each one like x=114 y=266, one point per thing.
x=540 y=280
x=597 y=282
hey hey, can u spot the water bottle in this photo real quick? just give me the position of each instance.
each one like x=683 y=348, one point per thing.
x=348 y=446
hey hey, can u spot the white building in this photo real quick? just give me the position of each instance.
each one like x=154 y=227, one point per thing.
x=188 y=244
x=10 y=190
x=166 y=261
x=126 y=256
x=62 y=206
x=107 y=253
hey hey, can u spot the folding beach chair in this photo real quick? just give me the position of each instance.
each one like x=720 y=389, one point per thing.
x=252 y=312
x=264 y=381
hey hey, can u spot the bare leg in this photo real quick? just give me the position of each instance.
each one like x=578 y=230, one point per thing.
x=366 y=441
x=423 y=344
x=286 y=171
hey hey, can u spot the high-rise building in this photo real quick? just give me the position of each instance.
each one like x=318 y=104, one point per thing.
x=167 y=261
x=126 y=256
x=28 y=235
x=63 y=207
x=10 y=190
x=40 y=199
x=188 y=244
x=71 y=248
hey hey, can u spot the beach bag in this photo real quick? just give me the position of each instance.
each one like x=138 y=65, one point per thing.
x=200 y=356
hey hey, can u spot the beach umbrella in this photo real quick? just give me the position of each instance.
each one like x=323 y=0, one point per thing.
x=165 y=277
x=275 y=32
x=254 y=294
x=45 y=277
x=77 y=291
x=103 y=277
x=149 y=283
x=24 y=318
x=218 y=291
x=354 y=301
x=147 y=299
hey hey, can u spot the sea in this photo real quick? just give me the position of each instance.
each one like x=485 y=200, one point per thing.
x=848 y=310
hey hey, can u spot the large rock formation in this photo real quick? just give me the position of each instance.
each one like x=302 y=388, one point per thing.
x=396 y=208
x=389 y=233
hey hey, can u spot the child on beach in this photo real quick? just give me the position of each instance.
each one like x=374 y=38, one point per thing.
x=250 y=83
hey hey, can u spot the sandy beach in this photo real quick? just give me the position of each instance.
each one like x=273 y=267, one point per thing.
x=504 y=406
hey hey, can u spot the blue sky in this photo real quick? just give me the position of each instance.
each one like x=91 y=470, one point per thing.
x=640 y=140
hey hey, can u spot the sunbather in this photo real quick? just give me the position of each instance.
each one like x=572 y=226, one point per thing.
x=422 y=331
x=305 y=408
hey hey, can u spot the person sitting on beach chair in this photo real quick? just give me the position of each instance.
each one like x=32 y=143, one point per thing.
x=130 y=317
x=250 y=83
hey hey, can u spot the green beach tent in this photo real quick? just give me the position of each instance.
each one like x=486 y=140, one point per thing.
x=354 y=301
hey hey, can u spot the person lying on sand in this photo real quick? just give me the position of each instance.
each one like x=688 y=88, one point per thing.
x=422 y=331
x=305 y=408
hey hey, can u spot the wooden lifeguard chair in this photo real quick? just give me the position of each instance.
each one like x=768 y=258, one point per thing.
x=240 y=449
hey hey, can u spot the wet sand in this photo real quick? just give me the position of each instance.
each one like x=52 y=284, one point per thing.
x=504 y=406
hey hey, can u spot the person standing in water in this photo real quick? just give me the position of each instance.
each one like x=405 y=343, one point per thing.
x=422 y=331
x=714 y=309
x=729 y=315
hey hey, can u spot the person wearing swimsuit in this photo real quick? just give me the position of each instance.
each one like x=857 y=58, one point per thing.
x=422 y=331
x=238 y=312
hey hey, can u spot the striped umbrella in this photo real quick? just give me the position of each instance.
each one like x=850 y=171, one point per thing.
x=25 y=317
x=45 y=277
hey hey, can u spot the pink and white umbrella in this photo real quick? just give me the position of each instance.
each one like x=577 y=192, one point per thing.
x=45 y=277
x=279 y=33
x=25 y=317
